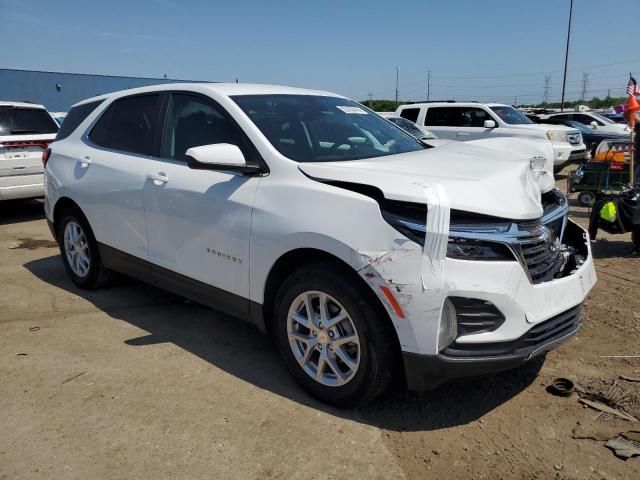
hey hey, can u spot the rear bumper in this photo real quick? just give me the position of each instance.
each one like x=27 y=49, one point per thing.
x=425 y=372
x=21 y=186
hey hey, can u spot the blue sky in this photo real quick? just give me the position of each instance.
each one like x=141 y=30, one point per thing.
x=481 y=50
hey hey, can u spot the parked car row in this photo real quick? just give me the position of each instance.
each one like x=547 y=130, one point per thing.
x=466 y=121
x=366 y=253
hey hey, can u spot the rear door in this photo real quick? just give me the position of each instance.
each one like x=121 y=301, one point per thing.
x=110 y=173
x=445 y=122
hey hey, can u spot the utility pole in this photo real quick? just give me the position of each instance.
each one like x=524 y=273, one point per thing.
x=585 y=82
x=397 y=77
x=428 y=84
x=370 y=95
x=566 y=56
x=547 y=89
x=608 y=93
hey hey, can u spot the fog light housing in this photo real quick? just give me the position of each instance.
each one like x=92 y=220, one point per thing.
x=448 y=325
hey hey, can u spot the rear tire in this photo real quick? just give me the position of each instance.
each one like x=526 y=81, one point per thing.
x=79 y=251
x=351 y=372
x=635 y=238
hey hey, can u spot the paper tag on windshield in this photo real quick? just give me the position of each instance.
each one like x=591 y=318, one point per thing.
x=348 y=109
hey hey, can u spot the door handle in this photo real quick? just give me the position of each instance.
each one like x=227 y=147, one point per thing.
x=462 y=134
x=86 y=161
x=158 y=178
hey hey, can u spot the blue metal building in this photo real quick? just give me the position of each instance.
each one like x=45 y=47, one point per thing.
x=58 y=91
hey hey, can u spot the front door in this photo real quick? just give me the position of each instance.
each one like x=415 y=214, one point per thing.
x=198 y=221
x=472 y=124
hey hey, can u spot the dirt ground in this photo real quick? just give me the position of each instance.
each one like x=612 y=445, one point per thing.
x=131 y=382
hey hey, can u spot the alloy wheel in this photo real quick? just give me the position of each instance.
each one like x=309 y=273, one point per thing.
x=323 y=338
x=76 y=249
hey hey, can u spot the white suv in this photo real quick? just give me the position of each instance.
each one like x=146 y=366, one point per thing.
x=26 y=130
x=365 y=253
x=473 y=121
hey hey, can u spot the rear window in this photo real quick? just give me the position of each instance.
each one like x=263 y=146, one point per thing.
x=443 y=117
x=75 y=117
x=26 y=121
x=410 y=114
x=128 y=124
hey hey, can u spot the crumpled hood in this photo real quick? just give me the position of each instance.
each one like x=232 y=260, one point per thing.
x=475 y=179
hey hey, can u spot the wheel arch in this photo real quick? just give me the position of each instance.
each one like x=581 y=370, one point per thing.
x=62 y=205
x=295 y=259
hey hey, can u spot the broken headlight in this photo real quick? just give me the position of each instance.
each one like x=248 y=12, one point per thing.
x=410 y=219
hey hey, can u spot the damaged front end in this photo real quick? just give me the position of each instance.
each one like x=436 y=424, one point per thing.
x=549 y=248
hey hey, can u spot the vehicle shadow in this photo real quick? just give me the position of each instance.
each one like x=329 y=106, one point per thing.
x=239 y=349
x=16 y=211
x=604 y=248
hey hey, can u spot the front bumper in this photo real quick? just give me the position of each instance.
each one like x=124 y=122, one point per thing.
x=424 y=372
x=527 y=307
x=565 y=152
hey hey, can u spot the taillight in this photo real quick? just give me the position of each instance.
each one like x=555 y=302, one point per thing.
x=46 y=153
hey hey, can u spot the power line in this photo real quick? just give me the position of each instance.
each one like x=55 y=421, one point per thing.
x=590 y=67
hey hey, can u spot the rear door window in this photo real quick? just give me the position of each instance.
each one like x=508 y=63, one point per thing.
x=129 y=124
x=26 y=121
x=410 y=114
x=443 y=117
x=75 y=117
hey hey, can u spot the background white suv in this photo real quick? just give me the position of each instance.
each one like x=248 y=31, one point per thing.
x=364 y=252
x=473 y=121
x=26 y=130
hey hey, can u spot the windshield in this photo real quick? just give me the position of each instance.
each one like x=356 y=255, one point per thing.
x=511 y=116
x=24 y=121
x=309 y=128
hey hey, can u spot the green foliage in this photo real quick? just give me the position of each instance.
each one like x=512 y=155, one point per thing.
x=381 y=105
x=595 y=103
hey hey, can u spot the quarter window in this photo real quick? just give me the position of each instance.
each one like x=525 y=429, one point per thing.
x=128 y=125
x=75 y=117
x=192 y=122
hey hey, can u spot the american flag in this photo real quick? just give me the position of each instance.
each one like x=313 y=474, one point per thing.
x=632 y=87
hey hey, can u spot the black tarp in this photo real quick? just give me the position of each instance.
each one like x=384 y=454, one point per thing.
x=627 y=219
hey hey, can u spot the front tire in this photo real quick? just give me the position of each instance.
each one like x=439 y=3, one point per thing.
x=79 y=251
x=333 y=340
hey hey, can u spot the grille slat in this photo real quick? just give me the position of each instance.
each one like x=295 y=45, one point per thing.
x=539 y=254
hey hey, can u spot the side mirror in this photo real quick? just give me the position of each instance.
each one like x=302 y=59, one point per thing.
x=220 y=157
x=489 y=124
x=594 y=124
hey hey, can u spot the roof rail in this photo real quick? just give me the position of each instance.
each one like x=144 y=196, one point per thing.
x=443 y=101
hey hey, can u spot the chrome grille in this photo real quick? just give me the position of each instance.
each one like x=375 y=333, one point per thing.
x=540 y=253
